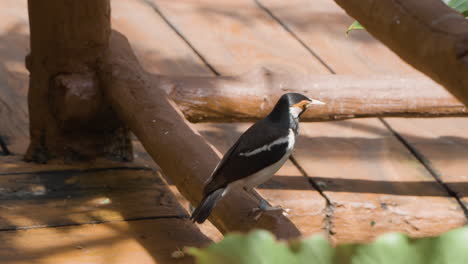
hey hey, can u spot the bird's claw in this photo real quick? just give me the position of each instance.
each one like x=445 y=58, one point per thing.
x=258 y=211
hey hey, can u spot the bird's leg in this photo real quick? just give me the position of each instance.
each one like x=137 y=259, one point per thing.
x=264 y=206
x=263 y=202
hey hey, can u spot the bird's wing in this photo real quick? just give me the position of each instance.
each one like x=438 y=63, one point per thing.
x=261 y=145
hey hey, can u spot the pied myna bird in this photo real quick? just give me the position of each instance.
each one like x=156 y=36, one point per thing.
x=257 y=155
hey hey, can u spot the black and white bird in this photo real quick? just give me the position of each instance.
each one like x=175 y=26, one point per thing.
x=257 y=155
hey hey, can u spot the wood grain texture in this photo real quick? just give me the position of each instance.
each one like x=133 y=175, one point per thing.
x=145 y=241
x=321 y=26
x=443 y=144
x=44 y=195
x=288 y=188
x=12 y=164
x=70 y=119
x=160 y=51
x=84 y=196
x=374 y=183
x=158 y=48
x=236 y=36
x=357 y=215
x=184 y=156
x=151 y=48
x=346 y=96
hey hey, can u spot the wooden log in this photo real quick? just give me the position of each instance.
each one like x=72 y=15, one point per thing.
x=251 y=96
x=69 y=117
x=184 y=156
x=429 y=35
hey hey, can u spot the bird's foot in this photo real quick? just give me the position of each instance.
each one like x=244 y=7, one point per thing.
x=264 y=207
x=191 y=208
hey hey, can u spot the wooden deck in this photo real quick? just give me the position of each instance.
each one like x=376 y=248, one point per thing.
x=351 y=180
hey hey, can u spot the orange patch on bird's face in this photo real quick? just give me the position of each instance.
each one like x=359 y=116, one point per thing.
x=302 y=104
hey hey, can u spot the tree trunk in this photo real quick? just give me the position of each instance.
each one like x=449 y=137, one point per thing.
x=70 y=118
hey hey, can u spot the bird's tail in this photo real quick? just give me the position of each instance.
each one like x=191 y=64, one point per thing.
x=201 y=213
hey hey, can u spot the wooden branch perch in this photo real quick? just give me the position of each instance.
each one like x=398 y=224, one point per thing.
x=185 y=157
x=429 y=35
x=251 y=96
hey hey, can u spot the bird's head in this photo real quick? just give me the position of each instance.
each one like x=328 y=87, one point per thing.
x=292 y=105
x=299 y=103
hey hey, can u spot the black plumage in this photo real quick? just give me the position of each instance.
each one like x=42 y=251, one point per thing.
x=261 y=146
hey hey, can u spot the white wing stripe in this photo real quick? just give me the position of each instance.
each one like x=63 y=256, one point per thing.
x=268 y=147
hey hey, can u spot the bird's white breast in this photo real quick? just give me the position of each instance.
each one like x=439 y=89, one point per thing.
x=266 y=173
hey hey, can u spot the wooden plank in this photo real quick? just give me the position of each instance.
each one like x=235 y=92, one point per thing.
x=14 y=45
x=160 y=51
x=374 y=183
x=238 y=41
x=443 y=144
x=288 y=188
x=235 y=36
x=15 y=164
x=207 y=228
x=322 y=26
x=352 y=219
x=158 y=48
x=146 y=241
x=64 y=197
x=367 y=153
x=98 y=192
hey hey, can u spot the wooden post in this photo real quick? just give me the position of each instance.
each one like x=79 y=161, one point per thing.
x=69 y=117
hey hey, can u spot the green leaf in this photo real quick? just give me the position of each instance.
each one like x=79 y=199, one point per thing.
x=459 y=5
x=393 y=248
x=257 y=247
x=315 y=248
x=354 y=25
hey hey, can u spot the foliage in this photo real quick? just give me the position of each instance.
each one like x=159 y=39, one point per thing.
x=354 y=25
x=459 y=5
x=260 y=247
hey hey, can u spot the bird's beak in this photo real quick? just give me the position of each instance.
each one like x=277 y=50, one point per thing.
x=315 y=102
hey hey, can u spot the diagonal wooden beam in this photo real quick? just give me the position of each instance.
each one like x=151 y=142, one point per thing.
x=183 y=154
